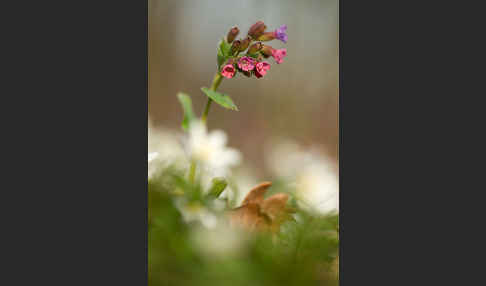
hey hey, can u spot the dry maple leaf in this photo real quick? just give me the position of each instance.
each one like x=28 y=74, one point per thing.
x=257 y=213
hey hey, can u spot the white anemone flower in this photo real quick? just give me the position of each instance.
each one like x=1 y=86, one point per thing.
x=309 y=171
x=221 y=241
x=151 y=157
x=317 y=188
x=240 y=184
x=195 y=212
x=209 y=149
x=165 y=149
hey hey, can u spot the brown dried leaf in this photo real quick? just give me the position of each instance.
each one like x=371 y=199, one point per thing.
x=274 y=206
x=256 y=194
x=250 y=217
x=257 y=213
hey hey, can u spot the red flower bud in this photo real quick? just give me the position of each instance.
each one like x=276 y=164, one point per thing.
x=235 y=46
x=232 y=34
x=245 y=43
x=266 y=51
x=268 y=36
x=255 y=48
x=257 y=29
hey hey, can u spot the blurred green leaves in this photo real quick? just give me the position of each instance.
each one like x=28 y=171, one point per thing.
x=222 y=99
x=301 y=254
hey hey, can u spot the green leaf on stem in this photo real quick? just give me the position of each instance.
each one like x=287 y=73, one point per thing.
x=224 y=52
x=221 y=58
x=225 y=48
x=222 y=99
x=186 y=103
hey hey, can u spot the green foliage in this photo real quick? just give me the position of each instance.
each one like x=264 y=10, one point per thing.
x=300 y=254
x=186 y=103
x=224 y=52
x=222 y=99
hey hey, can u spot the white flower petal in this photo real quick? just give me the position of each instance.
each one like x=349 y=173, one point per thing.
x=152 y=156
x=210 y=149
x=218 y=138
x=309 y=172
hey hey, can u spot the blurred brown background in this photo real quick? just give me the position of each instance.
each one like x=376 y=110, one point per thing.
x=296 y=99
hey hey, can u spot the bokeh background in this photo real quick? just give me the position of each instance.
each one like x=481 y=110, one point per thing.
x=297 y=99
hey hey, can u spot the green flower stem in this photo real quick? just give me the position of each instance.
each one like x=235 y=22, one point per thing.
x=192 y=172
x=218 y=78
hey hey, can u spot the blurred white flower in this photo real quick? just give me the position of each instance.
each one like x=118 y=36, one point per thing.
x=310 y=173
x=209 y=150
x=317 y=187
x=221 y=241
x=196 y=212
x=167 y=145
x=151 y=157
x=240 y=183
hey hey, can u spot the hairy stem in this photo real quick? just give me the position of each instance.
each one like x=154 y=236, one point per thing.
x=214 y=86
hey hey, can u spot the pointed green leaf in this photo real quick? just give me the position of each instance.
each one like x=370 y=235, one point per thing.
x=225 y=47
x=217 y=187
x=224 y=50
x=186 y=103
x=222 y=99
x=221 y=58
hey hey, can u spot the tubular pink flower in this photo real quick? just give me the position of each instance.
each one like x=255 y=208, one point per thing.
x=246 y=63
x=261 y=69
x=278 y=55
x=228 y=71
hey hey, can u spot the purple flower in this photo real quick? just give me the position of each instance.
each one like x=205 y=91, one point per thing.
x=281 y=33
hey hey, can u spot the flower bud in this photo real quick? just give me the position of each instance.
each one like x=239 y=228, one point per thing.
x=235 y=46
x=255 y=48
x=257 y=29
x=266 y=51
x=245 y=43
x=232 y=34
x=268 y=36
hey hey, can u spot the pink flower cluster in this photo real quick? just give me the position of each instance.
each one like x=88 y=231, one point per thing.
x=252 y=63
x=246 y=64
